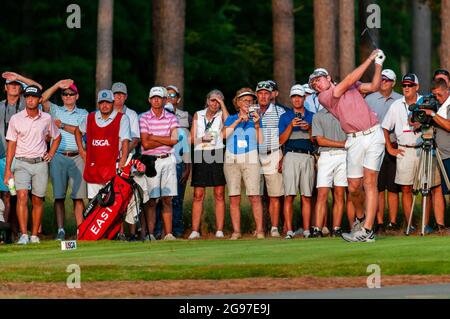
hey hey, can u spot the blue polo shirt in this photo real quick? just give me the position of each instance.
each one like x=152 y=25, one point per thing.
x=299 y=139
x=244 y=131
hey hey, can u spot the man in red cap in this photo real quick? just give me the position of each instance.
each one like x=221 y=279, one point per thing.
x=67 y=166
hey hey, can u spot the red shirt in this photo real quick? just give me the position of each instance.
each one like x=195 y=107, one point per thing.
x=102 y=150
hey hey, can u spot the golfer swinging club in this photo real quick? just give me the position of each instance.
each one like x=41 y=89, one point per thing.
x=365 y=140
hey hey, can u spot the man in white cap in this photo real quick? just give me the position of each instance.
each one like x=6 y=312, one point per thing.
x=107 y=139
x=365 y=139
x=380 y=102
x=298 y=161
x=158 y=136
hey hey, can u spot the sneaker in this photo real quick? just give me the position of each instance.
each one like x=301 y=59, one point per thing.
x=274 y=232
x=317 y=232
x=361 y=235
x=412 y=229
x=219 y=234
x=337 y=232
x=289 y=235
x=357 y=225
x=121 y=237
x=35 y=240
x=391 y=227
x=235 y=236
x=306 y=234
x=442 y=230
x=379 y=229
x=61 y=235
x=428 y=229
x=298 y=232
x=260 y=236
x=133 y=238
x=325 y=231
x=23 y=240
x=169 y=236
x=194 y=235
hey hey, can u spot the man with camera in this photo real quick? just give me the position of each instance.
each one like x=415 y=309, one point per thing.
x=442 y=74
x=409 y=140
x=298 y=161
x=441 y=119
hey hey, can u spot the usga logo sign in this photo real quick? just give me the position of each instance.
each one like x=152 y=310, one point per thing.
x=100 y=143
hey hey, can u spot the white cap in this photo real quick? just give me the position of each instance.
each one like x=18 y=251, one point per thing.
x=308 y=90
x=158 y=91
x=388 y=73
x=297 y=90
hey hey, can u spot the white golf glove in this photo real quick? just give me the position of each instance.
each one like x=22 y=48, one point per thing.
x=379 y=59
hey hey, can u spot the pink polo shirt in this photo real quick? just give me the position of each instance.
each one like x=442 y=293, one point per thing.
x=31 y=133
x=350 y=109
x=159 y=126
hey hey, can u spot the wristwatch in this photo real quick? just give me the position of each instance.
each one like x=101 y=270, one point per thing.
x=433 y=114
x=62 y=126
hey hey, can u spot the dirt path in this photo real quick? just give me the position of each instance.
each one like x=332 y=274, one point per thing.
x=173 y=288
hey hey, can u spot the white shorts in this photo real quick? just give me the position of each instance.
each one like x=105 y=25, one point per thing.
x=165 y=183
x=332 y=169
x=365 y=151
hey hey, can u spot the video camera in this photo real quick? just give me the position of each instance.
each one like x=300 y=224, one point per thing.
x=428 y=102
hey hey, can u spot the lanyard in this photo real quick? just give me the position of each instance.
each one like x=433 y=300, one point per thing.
x=208 y=124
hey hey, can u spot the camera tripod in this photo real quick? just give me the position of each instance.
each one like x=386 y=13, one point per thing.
x=424 y=176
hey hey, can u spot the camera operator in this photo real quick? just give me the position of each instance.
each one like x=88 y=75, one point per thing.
x=442 y=74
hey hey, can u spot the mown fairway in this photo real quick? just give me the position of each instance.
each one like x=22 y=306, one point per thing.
x=221 y=259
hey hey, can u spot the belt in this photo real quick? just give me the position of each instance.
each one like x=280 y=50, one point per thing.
x=335 y=152
x=300 y=151
x=272 y=151
x=69 y=154
x=366 y=132
x=31 y=160
x=411 y=146
x=160 y=156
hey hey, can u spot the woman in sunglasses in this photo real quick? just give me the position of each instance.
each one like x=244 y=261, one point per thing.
x=207 y=168
x=242 y=133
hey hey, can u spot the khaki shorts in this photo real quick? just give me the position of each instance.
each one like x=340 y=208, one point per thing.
x=298 y=174
x=274 y=184
x=31 y=176
x=408 y=167
x=235 y=172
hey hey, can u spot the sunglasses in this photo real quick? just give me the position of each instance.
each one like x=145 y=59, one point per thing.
x=408 y=85
x=172 y=95
x=264 y=85
x=68 y=94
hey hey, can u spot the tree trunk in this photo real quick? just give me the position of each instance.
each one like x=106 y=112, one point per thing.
x=445 y=34
x=366 y=46
x=104 y=44
x=168 y=30
x=325 y=36
x=422 y=43
x=283 y=47
x=346 y=37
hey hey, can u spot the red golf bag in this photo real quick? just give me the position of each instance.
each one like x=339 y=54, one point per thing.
x=104 y=213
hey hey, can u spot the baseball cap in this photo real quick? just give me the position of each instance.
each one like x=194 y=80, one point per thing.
x=316 y=73
x=32 y=90
x=308 y=89
x=173 y=87
x=297 y=90
x=16 y=81
x=274 y=85
x=72 y=87
x=389 y=74
x=441 y=71
x=264 y=85
x=410 y=78
x=157 y=91
x=119 y=87
x=105 y=95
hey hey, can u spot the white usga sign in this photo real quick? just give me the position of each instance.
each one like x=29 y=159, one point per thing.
x=68 y=244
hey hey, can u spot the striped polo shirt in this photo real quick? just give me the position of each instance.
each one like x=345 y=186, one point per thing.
x=149 y=123
x=74 y=117
x=270 y=120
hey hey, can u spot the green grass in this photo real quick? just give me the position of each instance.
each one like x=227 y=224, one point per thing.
x=223 y=259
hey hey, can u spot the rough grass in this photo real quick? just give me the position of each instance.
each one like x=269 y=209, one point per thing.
x=223 y=259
